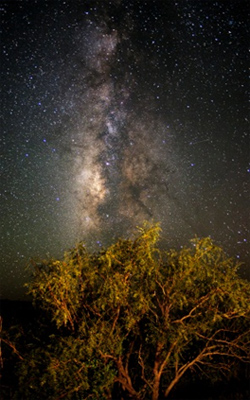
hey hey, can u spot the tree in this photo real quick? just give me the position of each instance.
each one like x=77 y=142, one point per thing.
x=133 y=320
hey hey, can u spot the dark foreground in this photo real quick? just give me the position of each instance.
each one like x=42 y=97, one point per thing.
x=22 y=313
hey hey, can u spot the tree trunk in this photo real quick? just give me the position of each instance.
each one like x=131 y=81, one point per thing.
x=157 y=374
x=156 y=387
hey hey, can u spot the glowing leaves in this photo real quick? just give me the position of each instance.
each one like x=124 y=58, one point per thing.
x=139 y=317
x=57 y=286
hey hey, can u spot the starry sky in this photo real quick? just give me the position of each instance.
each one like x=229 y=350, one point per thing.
x=116 y=112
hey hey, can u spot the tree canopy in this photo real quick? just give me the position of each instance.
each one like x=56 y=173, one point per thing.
x=131 y=320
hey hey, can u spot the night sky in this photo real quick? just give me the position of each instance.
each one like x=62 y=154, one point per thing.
x=116 y=112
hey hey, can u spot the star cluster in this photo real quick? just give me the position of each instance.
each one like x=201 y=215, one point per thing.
x=114 y=112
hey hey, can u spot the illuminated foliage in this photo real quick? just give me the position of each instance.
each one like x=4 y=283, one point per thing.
x=132 y=320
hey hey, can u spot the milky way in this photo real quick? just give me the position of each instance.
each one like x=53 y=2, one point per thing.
x=121 y=156
x=125 y=167
x=116 y=112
